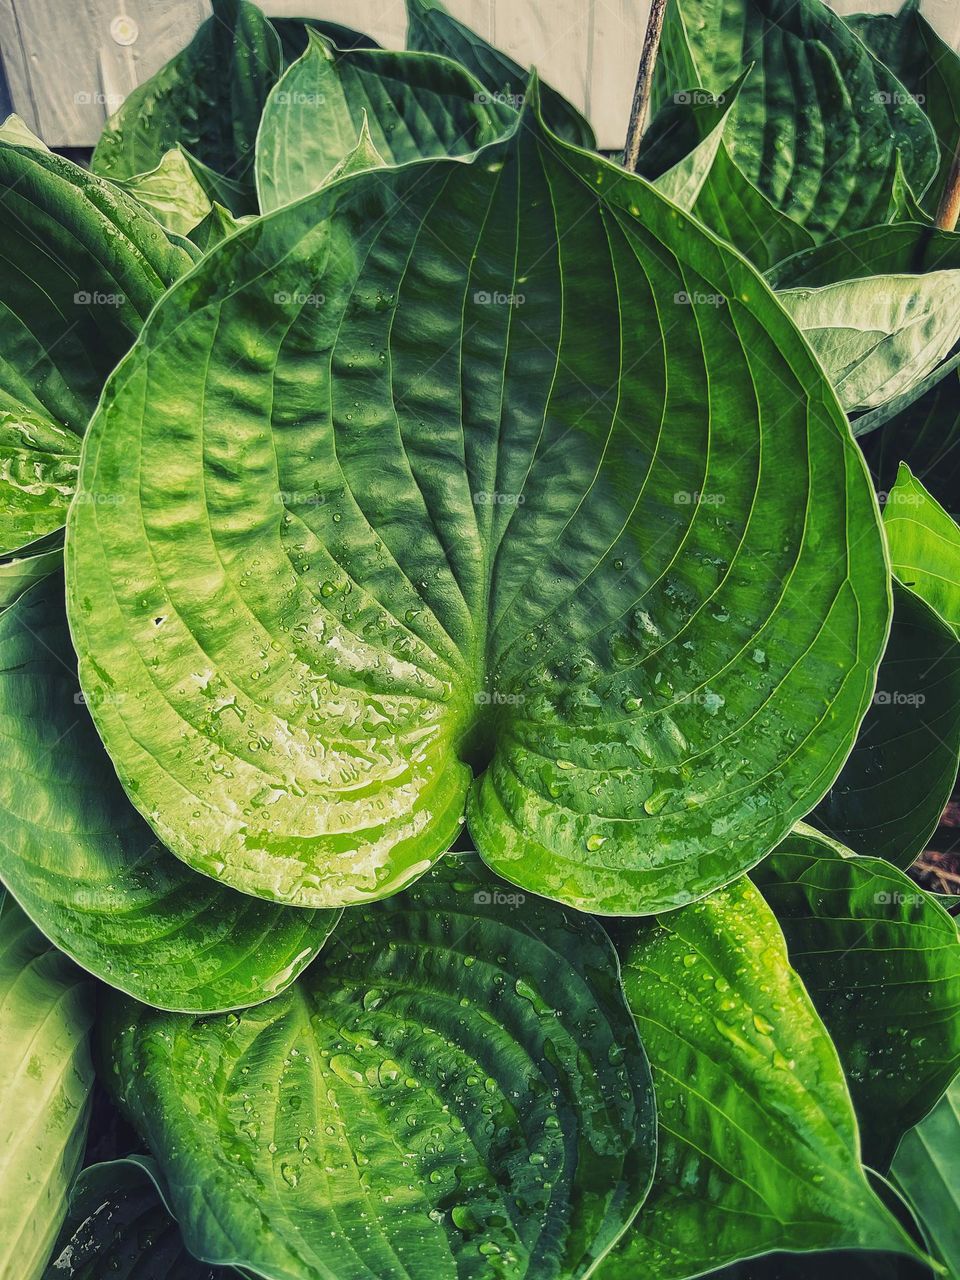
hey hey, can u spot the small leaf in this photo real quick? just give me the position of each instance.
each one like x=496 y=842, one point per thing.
x=415 y=105
x=46 y=1010
x=881 y=961
x=924 y=546
x=87 y=868
x=927 y=1170
x=38 y=473
x=172 y=192
x=431 y=29
x=459 y=1086
x=903 y=767
x=758 y=1141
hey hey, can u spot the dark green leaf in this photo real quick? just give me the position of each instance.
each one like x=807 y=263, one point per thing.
x=907 y=248
x=88 y=869
x=902 y=771
x=28 y=565
x=46 y=1010
x=927 y=1169
x=415 y=105
x=207 y=100
x=431 y=29
x=819 y=124
x=927 y=437
x=881 y=961
x=758 y=1141
x=457 y=1091
x=421 y=522
x=294 y=34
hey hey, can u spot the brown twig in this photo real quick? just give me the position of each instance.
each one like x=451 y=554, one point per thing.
x=641 y=94
x=949 y=212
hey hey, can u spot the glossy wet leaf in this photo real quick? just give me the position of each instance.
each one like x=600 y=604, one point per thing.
x=881 y=961
x=929 y=69
x=685 y=155
x=383 y=562
x=88 y=869
x=415 y=105
x=818 y=124
x=758 y=1142
x=457 y=1091
x=172 y=192
x=902 y=771
x=924 y=545
x=294 y=34
x=38 y=473
x=46 y=1010
x=208 y=100
x=927 y=1170
x=881 y=336
x=118 y=1226
x=431 y=29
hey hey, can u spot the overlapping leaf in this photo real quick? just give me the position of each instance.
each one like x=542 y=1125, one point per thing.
x=207 y=100
x=431 y=29
x=819 y=124
x=903 y=768
x=88 y=869
x=46 y=1010
x=924 y=546
x=926 y=1169
x=423 y=523
x=458 y=1091
x=881 y=961
x=172 y=192
x=758 y=1142
x=415 y=105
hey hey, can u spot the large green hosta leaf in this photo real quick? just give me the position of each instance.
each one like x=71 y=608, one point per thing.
x=119 y=1227
x=46 y=1010
x=88 y=869
x=819 y=123
x=415 y=105
x=929 y=69
x=457 y=1091
x=927 y=1169
x=924 y=546
x=758 y=1142
x=207 y=99
x=903 y=768
x=881 y=961
x=431 y=29
x=422 y=522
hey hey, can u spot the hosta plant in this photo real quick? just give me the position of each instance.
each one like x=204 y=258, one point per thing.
x=479 y=658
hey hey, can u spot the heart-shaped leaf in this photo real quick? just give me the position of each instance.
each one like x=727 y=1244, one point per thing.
x=929 y=69
x=903 y=768
x=819 y=126
x=431 y=29
x=420 y=525
x=924 y=546
x=87 y=868
x=881 y=961
x=118 y=1226
x=927 y=1169
x=208 y=100
x=46 y=1010
x=416 y=105
x=758 y=1142
x=457 y=1091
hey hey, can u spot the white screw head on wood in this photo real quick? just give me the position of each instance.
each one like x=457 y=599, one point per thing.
x=124 y=29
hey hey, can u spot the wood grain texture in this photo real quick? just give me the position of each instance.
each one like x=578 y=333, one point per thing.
x=66 y=72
